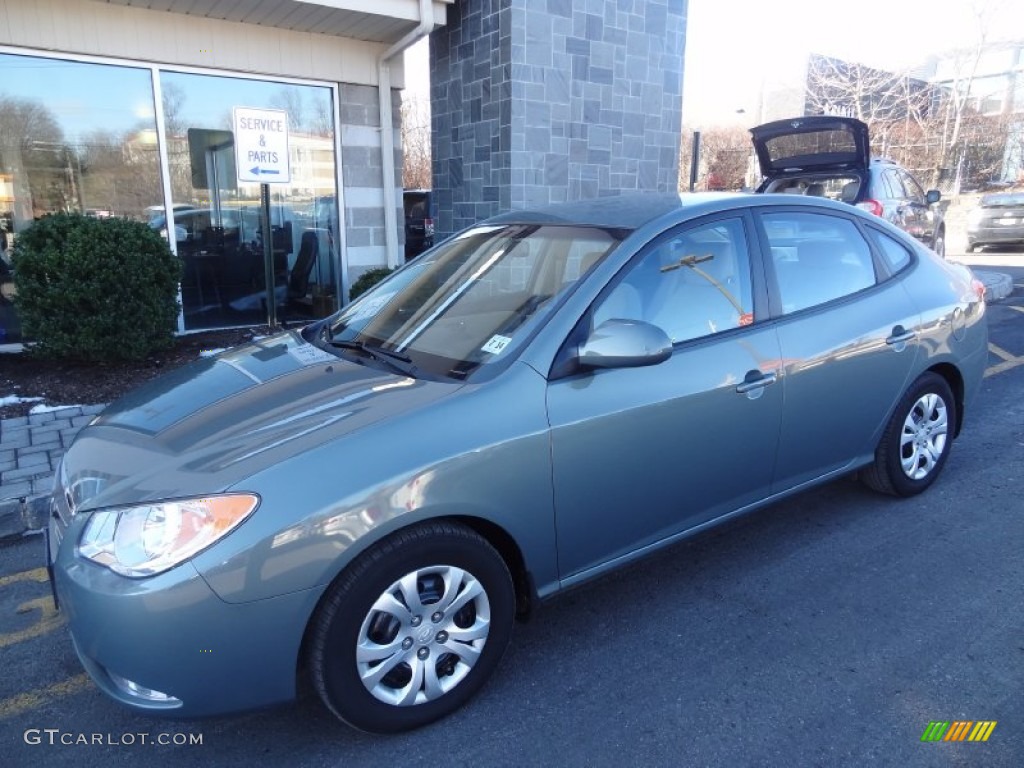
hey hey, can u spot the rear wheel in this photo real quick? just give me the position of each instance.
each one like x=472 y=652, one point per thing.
x=939 y=245
x=917 y=440
x=413 y=628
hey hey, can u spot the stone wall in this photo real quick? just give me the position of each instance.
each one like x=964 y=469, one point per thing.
x=542 y=101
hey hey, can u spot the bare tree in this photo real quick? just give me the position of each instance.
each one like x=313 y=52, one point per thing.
x=852 y=89
x=724 y=158
x=416 y=166
x=931 y=127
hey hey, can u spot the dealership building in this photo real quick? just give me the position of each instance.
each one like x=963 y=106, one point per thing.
x=127 y=108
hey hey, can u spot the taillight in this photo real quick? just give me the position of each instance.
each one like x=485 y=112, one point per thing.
x=428 y=226
x=872 y=206
x=978 y=287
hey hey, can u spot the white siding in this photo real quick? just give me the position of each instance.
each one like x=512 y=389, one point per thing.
x=102 y=29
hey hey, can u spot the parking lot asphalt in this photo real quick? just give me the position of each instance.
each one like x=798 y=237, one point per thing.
x=828 y=629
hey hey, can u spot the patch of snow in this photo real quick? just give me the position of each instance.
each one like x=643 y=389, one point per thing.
x=212 y=352
x=14 y=400
x=48 y=408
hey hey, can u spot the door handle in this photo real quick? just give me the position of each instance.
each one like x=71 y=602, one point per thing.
x=750 y=384
x=900 y=335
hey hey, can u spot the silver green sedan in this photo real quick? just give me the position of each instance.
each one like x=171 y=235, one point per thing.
x=547 y=396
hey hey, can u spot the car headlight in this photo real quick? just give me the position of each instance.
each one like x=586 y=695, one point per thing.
x=151 y=538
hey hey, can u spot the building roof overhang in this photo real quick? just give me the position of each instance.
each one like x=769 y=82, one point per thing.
x=378 y=21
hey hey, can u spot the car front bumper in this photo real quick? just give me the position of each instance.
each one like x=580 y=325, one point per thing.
x=167 y=644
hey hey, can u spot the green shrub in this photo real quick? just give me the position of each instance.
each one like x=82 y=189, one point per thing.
x=95 y=289
x=367 y=280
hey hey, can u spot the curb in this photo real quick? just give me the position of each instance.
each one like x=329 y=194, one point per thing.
x=21 y=517
x=998 y=285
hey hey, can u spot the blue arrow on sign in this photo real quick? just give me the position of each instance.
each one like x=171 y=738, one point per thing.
x=256 y=171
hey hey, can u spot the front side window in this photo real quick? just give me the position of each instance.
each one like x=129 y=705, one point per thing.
x=473 y=300
x=816 y=258
x=690 y=285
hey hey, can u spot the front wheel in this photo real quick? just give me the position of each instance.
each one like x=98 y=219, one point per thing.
x=939 y=246
x=917 y=440
x=413 y=628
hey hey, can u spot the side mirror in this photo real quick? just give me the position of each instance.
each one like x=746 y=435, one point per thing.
x=932 y=196
x=624 y=344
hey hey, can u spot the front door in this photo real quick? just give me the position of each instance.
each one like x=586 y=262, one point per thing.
x=640 y=454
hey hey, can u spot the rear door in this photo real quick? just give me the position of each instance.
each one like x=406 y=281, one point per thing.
x=923 y=217
x=848 y=339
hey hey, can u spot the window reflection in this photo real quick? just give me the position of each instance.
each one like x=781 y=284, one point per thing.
x=217 y=230
x=74 y=137
x=81 y=136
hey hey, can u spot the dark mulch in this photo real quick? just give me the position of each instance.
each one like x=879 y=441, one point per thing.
x=62 y=382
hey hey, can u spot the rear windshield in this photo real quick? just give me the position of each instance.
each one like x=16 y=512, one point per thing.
x=1003 y=201
x=815 y=147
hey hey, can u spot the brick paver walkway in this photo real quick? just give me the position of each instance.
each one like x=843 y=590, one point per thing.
x=31 y=448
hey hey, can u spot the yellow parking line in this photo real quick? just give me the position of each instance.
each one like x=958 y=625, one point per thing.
x=1000 y=352
x=36 y=574
x=24 y=702
x=48 y=621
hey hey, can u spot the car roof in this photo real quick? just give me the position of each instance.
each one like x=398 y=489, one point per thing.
x=627 y=211
x=637 y=210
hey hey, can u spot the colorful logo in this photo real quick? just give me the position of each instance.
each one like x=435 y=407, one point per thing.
x=958 y=730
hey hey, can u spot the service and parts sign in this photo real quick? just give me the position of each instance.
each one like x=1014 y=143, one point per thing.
x=261 y=145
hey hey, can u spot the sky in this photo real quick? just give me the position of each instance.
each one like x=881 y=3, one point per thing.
x=731 y=45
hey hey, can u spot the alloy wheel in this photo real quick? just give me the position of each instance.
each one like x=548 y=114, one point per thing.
x=423 y=635
x=924 y=435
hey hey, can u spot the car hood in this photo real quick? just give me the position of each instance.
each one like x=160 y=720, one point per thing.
x=816 y=143
x=207 y=426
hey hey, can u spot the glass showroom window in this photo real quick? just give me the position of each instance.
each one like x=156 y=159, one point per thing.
x=217 y=220
x=74 y=136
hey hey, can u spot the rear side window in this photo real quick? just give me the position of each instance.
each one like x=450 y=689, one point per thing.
x=816 y=258
x=894 y=253
x=894 y=185
x=910 y=184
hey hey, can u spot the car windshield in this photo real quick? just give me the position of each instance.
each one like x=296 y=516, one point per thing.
x=474 y=299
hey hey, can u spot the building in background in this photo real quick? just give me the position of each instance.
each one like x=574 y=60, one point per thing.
x=124 y=108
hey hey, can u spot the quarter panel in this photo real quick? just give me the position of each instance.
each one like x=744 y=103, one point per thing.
x=842 y=379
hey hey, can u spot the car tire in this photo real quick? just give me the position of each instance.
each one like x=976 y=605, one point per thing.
x=971 y=248
x=916 y=441
x=387 y=654
x=939 y=244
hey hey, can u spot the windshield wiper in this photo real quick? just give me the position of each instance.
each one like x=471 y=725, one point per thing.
x=385 y=356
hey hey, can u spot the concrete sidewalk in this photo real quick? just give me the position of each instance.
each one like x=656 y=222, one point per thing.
x=31 y=446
